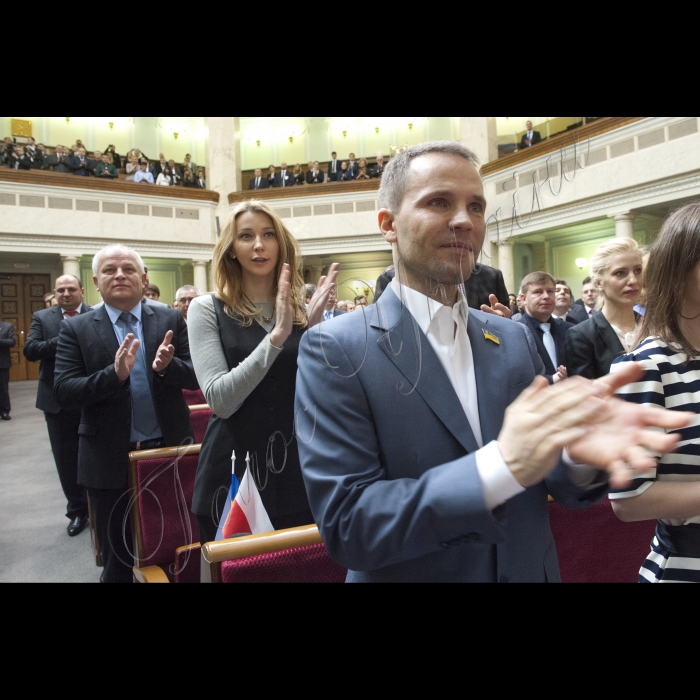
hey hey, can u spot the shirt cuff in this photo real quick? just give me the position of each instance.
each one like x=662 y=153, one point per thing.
x=582 y=475
x=498 y=483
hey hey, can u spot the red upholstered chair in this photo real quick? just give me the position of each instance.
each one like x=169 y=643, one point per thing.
x=594 y=546
x=194 y=398
x=164 y=528
x=200 y=417
x=287 y=556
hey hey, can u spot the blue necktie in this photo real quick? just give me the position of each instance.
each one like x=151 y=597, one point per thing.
x=142 y=407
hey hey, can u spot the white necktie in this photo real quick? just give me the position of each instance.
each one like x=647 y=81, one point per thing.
x=549 y=343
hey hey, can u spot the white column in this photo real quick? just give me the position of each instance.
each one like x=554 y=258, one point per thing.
x=200 y=276
x=480 y=134
x=224 y=161
x=71 y=265
x=624 y=225
x=506 y=266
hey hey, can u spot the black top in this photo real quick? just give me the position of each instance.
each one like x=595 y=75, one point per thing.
x=262 y=426
x=592 y=347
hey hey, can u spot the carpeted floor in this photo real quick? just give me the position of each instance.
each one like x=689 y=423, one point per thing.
x=34 y=544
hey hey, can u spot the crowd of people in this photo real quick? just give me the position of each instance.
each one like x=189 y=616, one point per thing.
x=335 y=171
x=105 y=165
x=469 y=407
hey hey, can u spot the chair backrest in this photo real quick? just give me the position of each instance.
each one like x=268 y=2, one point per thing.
x=287 y=556
x=594 y=546
x=194 y=398
x=200 y=417
x=162 y=483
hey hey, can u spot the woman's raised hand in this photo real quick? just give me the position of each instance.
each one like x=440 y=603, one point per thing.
x=319 y=300
x=284 y=310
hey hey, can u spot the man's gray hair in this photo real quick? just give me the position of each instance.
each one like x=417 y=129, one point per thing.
x=395 y=178
x=188 y=288
x=116 y=248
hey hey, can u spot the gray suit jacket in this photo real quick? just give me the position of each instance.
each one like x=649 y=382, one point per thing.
x=7 y=341
x=389 y=457
x=41 y=345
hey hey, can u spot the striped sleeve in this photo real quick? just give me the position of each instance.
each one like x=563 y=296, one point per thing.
x=648 y=391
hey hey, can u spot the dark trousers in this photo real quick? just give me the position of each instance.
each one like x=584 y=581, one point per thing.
x=63 y=434
x=113 y=529
x=5 y=391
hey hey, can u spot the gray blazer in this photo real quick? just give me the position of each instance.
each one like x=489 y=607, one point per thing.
x=391 y=471
x=7 y=341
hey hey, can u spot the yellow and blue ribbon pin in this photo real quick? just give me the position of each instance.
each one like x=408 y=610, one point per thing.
x=491 y=337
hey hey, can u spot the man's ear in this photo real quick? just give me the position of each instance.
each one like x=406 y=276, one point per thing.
x=96 y=283
x=387 y=223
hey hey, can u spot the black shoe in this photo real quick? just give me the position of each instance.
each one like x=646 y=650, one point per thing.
x=77 y=525
x=5 y=416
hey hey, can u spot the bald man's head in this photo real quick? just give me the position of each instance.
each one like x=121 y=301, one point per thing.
x=69 y=293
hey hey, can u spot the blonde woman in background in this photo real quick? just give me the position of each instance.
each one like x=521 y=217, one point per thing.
x=132 y=167
x=617 y=273
x=244 y=341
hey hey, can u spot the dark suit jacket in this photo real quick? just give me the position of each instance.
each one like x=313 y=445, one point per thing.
x=333 y=176
x=559 y=331
x=400 y=500
x=536 y=138
x=592 y=347
x=77 y=167
x=41 y=345
x=484 y=282
x=355 y=167
x=7 y=341
x=576 y=315
x=318 y=180
x=52 y=163
x=264 y=183
x=346 y=175
x=376 y=172
x=85 y=377
x=289 y=178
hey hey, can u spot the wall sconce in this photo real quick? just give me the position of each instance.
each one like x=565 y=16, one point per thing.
x=291 y=139
x=67 y=119
x=376 y=130
x=345 y=134
x=176 y=135
x=111 y=126
x=581 y=263
x=410 y=126
x=258 y=142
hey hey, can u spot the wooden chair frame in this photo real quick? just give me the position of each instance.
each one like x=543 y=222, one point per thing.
x=215 y=553
x=151 y=574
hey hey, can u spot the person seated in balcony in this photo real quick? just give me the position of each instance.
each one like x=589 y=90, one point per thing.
x=530 y=137
x=188 y=163
x=201 y=182
x=132 y=167
x=6 y=151
x=299 y=177
x=188 y=179
x=143 y=175
x=353 y=165
x=378 y=169
x=315 y=176
x=34 y=154
x=105 y=170
x=271 y=176
x=174 y=173
x=161 y=166
x=58 y=162
x=259 y=182
x=114 y=157
x=94 y=161
x=362 y=173
x=79 y=164
x=284 y=178
x=165 y=179
x=345 y=174
x=19 y=160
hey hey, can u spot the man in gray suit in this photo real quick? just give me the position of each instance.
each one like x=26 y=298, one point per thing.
x=62 y=423
x=440 y=480
x=7 y=341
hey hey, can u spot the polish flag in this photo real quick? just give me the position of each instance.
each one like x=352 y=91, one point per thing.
x=247 y=515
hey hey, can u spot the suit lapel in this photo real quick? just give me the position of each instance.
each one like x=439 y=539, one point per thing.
x=56 y=317
x=537 y=333
x=491 y=379
x=408 y=348
x=608 y=334
x=103 y=328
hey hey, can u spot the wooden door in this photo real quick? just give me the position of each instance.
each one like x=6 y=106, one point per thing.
x=20 y=297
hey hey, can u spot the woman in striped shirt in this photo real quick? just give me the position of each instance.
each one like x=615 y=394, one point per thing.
x=671 y=357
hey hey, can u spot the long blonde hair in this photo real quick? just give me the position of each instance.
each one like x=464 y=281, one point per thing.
x=228 y=274
x=603 y=257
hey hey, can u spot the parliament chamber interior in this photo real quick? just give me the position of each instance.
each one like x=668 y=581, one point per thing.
x=223 y=357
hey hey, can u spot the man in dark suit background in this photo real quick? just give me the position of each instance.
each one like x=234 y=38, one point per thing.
x=258 y=182
x=589 y=298
x=7 y=341
x=58 y=162
x=565 y=309
x=333 y=168
x=331 y=311
x=531 y=137
x=284 y=178
x=353 y=165
x=378 y=169
x=62 y=424
x=125 y=365
x=539 y=291
x=79 y=163
x=315 y=176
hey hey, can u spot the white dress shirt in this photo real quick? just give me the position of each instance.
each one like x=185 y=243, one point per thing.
x=78 y=311
x=446 y=330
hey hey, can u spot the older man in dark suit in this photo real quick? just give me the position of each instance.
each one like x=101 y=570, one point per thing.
x=7 y=341
x=530 y=137
x=125 y=365
x=258 y=182
x=62 y=424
